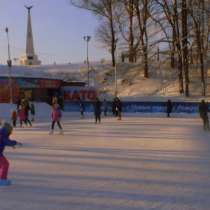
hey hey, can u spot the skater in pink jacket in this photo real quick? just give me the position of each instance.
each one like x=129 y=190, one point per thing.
x=21 y=116
x=56 y=117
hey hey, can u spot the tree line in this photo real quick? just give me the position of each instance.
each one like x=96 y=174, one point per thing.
x=138 y=27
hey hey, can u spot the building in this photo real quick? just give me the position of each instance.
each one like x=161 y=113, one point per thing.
x=38 y=84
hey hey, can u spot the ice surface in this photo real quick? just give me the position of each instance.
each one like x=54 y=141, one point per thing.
x=139 y=163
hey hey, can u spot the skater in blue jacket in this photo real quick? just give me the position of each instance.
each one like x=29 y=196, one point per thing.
x=5 y=132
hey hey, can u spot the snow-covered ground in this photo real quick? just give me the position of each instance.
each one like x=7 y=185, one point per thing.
x=141 y=163
x=131 y=84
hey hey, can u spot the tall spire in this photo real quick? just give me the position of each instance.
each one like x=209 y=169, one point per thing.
x=29 y=40
x=30 y=58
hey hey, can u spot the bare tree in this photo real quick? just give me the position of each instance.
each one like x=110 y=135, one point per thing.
x=185 y=24
x=199 y=15
x=103 y=35
x=106 y=10
x=171 y=10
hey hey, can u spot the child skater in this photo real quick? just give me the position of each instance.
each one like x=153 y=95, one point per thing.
x=5 y=132
x=22 y=115
x=14 y=118
x=56 y=117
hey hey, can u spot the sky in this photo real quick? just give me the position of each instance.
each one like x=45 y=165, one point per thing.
x=58 y=30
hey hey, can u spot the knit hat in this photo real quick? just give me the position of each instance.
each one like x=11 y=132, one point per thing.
x=8 y=128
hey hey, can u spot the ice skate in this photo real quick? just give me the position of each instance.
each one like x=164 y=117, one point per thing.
x=51 y=132
x=61 y=132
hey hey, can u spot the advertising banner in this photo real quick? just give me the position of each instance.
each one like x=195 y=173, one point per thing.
x=140 y=107
x=155 y=107
x=79 y=93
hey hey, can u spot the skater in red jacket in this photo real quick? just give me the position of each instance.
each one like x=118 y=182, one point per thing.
x=56 y=117
x=5 y=132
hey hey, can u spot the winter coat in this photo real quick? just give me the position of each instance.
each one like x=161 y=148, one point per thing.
x=56 y=114
x=32 y=108
x=5 y=141
x=22 y=114
x=203 y=109
x=118 y=105
x=169 y=107
x=27 y=109
x=18 y=103
x=97 y=107
x=82 y=107
x=14 y=115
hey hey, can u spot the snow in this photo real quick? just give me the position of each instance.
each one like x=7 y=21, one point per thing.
x=132 y=86
x=139 y=163
x=47 y=71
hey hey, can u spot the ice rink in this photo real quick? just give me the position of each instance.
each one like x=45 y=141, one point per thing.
x=141 y=163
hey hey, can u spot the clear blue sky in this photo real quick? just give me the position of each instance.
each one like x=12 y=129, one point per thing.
x=58 y=30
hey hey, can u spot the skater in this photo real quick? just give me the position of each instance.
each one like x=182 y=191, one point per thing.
x=14 y=118
x=97 y=110
x=21 y=116
x=27 y=109
x=105 y=105
x=118 y=105
x=32 y=109
x=203 y=110
x=169 y=108
x=82 y=109
x=56 y=117
x=18 y=103
x=114 y=107
x=5 y=132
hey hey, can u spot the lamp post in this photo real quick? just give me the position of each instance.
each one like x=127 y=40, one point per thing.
x=87 y=39
x=9 y=63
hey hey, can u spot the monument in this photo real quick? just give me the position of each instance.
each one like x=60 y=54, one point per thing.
x=30 y=58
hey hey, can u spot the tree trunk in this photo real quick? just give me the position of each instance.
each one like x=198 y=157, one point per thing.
x=178 y=46
x=184 y=46
x=143 y=35
x=173 y=49
x=181 y=82
x=201 y=59
x=145 y=49
x=131 y=36
x=202 y=37
x=113 y=44
x=146 y=74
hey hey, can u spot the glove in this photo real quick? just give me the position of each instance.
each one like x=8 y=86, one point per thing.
x=18 y=145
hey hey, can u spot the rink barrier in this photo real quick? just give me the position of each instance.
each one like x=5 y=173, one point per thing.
x=138 y=107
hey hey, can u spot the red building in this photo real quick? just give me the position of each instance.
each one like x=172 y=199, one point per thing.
x=39 y=85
